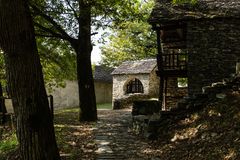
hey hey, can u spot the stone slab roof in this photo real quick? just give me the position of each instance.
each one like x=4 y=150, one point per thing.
x=165 y=10
x=103 y=74
x=136 y=67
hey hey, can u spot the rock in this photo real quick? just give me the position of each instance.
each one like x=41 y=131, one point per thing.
x=152 y=136
x=221 y=95
x=214 y=134
x=155 y=117
x=218 y=84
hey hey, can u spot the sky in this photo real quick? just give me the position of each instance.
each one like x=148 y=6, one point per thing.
x=96 y=54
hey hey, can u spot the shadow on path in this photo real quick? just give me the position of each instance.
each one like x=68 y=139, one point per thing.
x=114 y=138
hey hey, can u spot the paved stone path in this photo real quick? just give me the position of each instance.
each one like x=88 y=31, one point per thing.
x=114 y=138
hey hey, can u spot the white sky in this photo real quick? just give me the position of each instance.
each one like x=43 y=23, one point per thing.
x=96 y=54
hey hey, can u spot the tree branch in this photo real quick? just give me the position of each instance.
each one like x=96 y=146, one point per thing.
x=94 y=33
x=50 y=31
x=74 y=11
x=45 y=35
x=59 y=28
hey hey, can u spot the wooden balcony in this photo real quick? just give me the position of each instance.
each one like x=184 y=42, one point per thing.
x=173 y=65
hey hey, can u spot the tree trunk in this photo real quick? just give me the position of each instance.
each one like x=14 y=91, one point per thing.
x=83 y=48
x=2 y=103
x=3 y=109
x=34 y=122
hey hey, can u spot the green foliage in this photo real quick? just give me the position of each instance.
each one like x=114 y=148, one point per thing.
x=58 y=61
x=8 y=143
x=104 y=106
x=193 y=2
x=182 y=82
x=131 y=40
x=2 y=69
x=59 y=19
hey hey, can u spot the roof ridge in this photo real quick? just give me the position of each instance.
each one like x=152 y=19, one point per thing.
x=143 y=66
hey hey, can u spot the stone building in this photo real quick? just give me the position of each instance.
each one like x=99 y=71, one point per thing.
x=134 y=80
x=68 y=96
x=200 y=42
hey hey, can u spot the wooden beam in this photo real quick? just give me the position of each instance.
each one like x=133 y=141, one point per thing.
x=172 y=73
x=160 y=68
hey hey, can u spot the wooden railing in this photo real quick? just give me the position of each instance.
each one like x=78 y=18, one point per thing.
x=173 y=61
x=172 y=65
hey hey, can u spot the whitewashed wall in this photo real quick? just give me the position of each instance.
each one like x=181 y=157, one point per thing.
x=66 y=97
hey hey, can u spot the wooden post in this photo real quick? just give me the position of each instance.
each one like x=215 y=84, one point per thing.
x=165 y=94
x=160 y=67
x=51 y=105
x=3 y=110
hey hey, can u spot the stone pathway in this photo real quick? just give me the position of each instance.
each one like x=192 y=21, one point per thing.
x=114 y=138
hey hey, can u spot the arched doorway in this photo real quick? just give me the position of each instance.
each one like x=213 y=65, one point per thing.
x=134 y=86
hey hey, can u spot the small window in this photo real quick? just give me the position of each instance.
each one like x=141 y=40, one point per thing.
x=182 y=82
x=135 y=86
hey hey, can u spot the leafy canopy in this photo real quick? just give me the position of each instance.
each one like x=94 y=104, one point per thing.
x=131 y=40
x=58 y=61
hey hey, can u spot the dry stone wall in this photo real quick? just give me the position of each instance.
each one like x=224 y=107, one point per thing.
x=174 y=93
x=213 y=51
x=150 y=122
x=154 y=84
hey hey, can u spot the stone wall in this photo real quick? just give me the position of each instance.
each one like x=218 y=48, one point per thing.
x=120 y=82
x=154 y=84
x=103 y=92
x=151 y=90
x=213 y=51
x=151 y=123
x=150 y=84
x=68 y=96
x=127 y=101
x=174 y=93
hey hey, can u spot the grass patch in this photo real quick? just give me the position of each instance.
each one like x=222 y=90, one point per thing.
x=67 y=110
x=104 y=106
x=76 y=109
x=8 y=142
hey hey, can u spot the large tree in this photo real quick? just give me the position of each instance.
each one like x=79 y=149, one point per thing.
x=2 y=79
x=34 y=122
x=72 y=21
x=80 y=42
